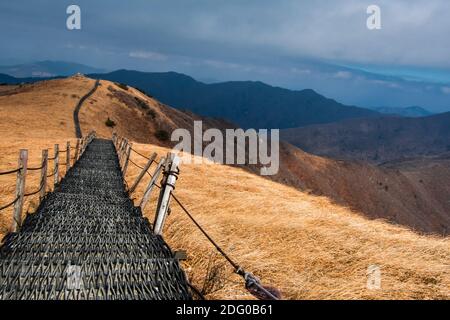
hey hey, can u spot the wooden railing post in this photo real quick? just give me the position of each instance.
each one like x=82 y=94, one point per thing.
x=56 y=166
x=20 y=190
x=141 y=175
x=151 y=184
x=127 y=158
x=171 y=174
x=76 y=151
x=44 y=170
x=83 y=146
x=119 y=149
x=122 y=151
x=67 y=156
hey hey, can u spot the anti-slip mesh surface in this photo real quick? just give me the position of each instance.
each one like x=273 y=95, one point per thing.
x=88 y=241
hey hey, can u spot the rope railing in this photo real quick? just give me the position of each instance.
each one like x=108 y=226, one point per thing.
x=23 y=169
x=52 y=174
x=170 y=175
x=136 y=165
x=138 y=153
x=9 y=204
x=35 y=192
x=37 y=168
x=10 y=172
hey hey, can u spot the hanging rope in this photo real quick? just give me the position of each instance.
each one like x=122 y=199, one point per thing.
x=36 y=192
x=9 y=204
x=11 y=171
x=52 y=174
x=140 y=154
x=140 y=167
x=252 y=283
x=36 y=169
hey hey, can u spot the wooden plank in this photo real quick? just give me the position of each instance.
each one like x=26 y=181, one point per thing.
x=166 y=190
x=56 y=166
x=141 y=175
x=151 y=184
x=44 y=170
x=20 y=190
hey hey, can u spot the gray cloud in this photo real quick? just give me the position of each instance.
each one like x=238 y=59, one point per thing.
x=268 y=40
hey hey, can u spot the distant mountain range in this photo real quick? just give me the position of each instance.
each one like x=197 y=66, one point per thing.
x=246 y=103
x=376 y=140
x=7 y=79
x=412 y=112
x=46 y=69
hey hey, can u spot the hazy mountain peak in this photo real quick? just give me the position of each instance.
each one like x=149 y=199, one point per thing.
x=47 y=68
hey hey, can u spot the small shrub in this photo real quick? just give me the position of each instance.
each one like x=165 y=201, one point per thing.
x=151 y=113
x=110 y=123
x=122 y=86
x=162 y=135
x=141 y=103
x=143 y=92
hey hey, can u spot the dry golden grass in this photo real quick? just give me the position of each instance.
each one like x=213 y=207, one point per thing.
x=43 y=110
x=304 y=245
x=39 y=116
x=9 y=152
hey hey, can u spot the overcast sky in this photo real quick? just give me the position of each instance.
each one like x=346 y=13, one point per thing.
x=234 y=39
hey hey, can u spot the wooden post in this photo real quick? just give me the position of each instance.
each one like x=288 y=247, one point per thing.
x=76 y=151
x=81 y=147
x=56 y=166
x=20 y=190
x=124 y=147
x=151 y=184
x=167 y=187
x=141 y=175
x=44 y=170
x=119 y=149
x=114 y=139
x=84 y=144
x=67 y=156
x=127 y=158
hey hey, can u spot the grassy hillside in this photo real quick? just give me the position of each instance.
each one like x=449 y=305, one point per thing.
x=307 y=245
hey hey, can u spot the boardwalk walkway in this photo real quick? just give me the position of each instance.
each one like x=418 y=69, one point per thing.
x=88 y=241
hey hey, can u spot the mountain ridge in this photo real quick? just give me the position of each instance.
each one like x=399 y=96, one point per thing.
x=413 y=111
x=47 y=69
x=375 y=140
x=247 y=103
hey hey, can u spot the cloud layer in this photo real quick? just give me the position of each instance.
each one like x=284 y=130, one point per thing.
x=266 y=40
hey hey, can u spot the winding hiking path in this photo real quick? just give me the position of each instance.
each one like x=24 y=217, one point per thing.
x=88 y=241
x=76 y=112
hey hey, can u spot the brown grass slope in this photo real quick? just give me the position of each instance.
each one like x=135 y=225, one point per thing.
x=306 y=245
x=416 y=197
